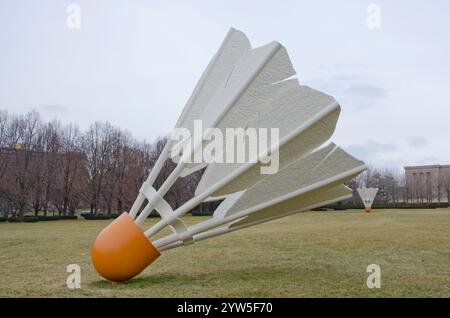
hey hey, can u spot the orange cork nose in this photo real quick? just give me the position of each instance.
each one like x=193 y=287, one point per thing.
x=121 y=250
x=368 y=210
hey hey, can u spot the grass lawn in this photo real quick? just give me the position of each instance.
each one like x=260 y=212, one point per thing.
x=312 y=254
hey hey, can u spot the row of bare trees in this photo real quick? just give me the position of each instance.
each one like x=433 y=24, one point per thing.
x=395 y=188
x=47 y=166
x=390 y=184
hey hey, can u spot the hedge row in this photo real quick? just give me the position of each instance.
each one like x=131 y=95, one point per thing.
x=202 y=213
x=391 y=206
x=49 y=218
x=33 y=218
x=91 y=216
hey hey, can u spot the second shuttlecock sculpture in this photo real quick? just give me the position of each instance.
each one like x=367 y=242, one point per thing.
x=367 y=196
x=251 y=91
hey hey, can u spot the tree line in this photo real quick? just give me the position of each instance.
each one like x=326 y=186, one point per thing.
x=394 y=188
x=51 y=167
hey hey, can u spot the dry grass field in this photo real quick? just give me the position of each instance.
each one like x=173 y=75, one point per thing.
x=313 y=254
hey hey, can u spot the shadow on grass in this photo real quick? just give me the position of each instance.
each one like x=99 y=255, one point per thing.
x=210 y=278
x=144 y=281
x=257 y=281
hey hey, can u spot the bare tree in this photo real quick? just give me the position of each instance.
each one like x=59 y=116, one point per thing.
x=124 y=155
x=50 y=145
x=47 y=165
x=4 y=141
x=21 y=177
x=71 y=173
x=97 y=148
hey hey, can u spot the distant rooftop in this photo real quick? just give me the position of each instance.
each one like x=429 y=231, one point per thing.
x=426 y=167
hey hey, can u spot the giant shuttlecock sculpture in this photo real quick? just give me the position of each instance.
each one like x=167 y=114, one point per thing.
x=240 y=88
x=367 y=196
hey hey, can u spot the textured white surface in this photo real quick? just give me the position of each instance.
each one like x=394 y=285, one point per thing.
x=286 y=106
x=234 y=47
x=295 y=146
x=256 y=90
x=244 y=91
x=325 y=195
x=318 y=168
x=301 y=203
x=247 y=84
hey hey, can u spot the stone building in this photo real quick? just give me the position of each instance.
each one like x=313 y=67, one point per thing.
x=428 y=183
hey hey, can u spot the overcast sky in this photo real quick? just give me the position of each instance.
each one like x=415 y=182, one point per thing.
x=135 y=63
